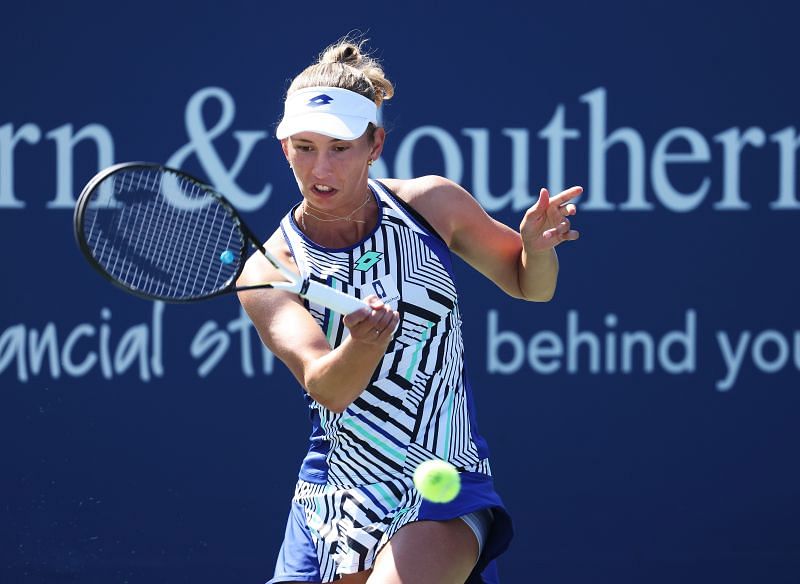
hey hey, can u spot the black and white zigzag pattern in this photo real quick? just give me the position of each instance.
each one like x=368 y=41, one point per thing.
x=416 y=407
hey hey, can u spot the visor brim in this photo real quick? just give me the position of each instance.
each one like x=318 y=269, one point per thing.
x=340 y=127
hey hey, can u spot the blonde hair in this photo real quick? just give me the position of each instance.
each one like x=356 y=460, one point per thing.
x=345 y=65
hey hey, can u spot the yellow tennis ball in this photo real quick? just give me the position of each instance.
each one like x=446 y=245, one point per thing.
x=437 y=481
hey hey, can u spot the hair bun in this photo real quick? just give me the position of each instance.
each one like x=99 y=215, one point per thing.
x=345 y=64
x=345 y=52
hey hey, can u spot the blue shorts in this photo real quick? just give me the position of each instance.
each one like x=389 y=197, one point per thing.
x=333 y=530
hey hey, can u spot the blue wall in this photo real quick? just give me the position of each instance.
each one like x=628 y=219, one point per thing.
x=643 y=424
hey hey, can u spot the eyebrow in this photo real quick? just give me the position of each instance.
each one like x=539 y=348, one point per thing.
x=311 y=141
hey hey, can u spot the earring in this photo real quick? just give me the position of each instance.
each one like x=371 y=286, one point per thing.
x=369 y=162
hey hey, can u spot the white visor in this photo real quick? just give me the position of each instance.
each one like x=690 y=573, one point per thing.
x=332 y=111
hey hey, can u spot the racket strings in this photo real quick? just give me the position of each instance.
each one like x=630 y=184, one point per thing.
x=159 y=233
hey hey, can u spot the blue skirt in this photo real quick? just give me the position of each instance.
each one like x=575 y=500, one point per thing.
x=334 y=530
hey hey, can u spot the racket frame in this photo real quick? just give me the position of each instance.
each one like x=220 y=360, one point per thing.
x=304 y=287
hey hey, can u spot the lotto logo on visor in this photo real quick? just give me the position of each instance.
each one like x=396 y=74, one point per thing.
x=321 y=99
x=331 y=111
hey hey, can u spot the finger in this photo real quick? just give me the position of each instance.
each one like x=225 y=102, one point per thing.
x=560 y=233
x=380 y=313
x=362 y=318
x=539 y=209
x=358 y=317
x=566 y=196
x=391 y=324
x=568 y=209
x=544 y=199
x=382 y=326
x=373 y=301
x=564 y=233
x=381 y=319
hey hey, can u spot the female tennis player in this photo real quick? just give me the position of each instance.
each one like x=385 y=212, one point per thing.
x=386 y=385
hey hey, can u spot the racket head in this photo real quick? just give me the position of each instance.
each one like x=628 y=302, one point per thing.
x=160 y=233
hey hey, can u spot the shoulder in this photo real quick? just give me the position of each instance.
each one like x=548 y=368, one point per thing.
x=411 y=190
x=436 y=198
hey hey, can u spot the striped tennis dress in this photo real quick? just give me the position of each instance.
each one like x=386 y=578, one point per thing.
x=355 y=486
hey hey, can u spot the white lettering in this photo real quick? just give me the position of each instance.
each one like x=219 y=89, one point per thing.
x=545 y=345
x=39 y=345
x=495 y=339
x=601 y=148
x=611 y=343
x=788 y=142
x=209 y=339
x=518 y=196
x=733 y=142
x=201 y=143
x=575 y=339
x=65 y=146
x=699 y=151
x=216 y=340
x=782 y=351
x=453 y=164
x=583 y=350
x=132 y=347
x=70 y=367
x=687 y=339
x=44 y=356
x=629 y=341
x=733 y=357
x=556 y=134
x=12 y=347
x=599 y=144
x=9 y=139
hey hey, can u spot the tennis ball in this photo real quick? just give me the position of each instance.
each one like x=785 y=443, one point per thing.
x=437 y=481
x=227 y=257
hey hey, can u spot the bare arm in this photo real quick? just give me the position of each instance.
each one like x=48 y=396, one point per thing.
x=333 y=377
x=523 y=264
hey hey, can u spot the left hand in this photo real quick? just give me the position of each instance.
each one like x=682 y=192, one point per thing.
x=546 y=224
x=374 y=324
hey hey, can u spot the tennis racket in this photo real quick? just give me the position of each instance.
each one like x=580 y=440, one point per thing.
x=162 y=234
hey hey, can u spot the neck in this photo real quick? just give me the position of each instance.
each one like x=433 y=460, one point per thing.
x=325 y=216
x=336 y=230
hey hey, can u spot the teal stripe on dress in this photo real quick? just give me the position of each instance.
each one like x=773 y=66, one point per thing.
x=329 y=332
x=386 y=495
x=415 y=356
x=449 y=422
x=383 y=446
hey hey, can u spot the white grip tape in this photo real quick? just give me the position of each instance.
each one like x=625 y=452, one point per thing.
x=333 y=299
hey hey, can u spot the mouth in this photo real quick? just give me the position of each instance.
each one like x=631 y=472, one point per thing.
x=323 y=190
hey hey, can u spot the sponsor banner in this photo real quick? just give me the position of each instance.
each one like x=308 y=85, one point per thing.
x=642 y=424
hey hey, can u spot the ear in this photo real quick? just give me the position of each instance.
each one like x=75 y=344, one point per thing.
x=285 y=147
x=378 y=139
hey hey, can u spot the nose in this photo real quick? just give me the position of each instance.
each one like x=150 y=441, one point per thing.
x=322 y=165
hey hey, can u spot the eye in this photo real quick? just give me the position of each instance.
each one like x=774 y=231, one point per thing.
x=303 y=148
x=341 y=148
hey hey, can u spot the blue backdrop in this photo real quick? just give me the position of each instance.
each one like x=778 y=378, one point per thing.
x=643 y=424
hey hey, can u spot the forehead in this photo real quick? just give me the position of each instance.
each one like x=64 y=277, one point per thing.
x=312 y=137
x=321 y=139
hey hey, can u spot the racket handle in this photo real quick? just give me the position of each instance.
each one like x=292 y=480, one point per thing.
x=333 y=299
